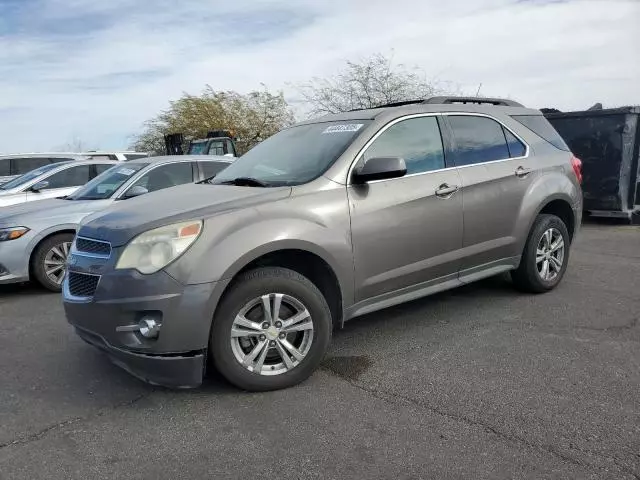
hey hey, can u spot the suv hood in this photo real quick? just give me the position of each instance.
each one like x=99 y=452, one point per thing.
x=129 y=218
x=56 y=211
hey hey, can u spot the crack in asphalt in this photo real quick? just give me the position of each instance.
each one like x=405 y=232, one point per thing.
x=392 y=397
x=32 y=437
x=627 y=326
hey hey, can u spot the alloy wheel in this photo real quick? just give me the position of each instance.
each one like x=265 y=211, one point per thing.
x=550 y=254
x=272 y=334
x=55 y=262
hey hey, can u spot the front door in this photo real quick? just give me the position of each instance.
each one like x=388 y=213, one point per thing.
x=496 y=173
x=406 y=231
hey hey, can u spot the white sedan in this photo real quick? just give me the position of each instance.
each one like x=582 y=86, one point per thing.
x=51 y=181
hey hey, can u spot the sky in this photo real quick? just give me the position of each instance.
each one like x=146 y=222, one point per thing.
x=94 y=71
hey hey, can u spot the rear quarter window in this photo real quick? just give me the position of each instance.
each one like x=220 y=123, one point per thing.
x=539 y=125
x=5 y=167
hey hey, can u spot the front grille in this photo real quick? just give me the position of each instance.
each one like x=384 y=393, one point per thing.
x=82 y=285
x=93 y=247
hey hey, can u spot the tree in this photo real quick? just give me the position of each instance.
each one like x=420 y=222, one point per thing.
x=366 y=84
x=251 y=118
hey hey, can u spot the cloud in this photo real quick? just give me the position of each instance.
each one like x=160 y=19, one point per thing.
x=97 y=70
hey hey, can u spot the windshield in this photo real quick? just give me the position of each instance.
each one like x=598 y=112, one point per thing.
x=198 y=148
x=294 y=156
x=105 y=184
x=27 y=177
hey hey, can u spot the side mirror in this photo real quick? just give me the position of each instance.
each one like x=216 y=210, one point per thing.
x=379 y=168
x=136 y=191
x=36 y=187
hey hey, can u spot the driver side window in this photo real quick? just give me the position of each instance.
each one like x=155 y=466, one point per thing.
x=166 y=176
x=416 y=140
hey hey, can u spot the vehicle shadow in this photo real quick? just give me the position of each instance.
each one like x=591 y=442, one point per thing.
x=21 y=289
x=499 y=286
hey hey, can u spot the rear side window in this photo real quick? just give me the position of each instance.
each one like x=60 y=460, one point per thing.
x=211 y=169
x=516 y=147
x=102 y=167
x=5 y=167
x=70 y=177
x=166 y=176
x=541 y=127
x=24 y=165
x=478 y=139
x=417 y=140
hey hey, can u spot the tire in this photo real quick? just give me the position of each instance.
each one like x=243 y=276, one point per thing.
x=226 y=352
x=38 y=267
x=528 y=276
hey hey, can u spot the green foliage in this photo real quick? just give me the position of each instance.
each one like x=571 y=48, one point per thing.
x=251 y=118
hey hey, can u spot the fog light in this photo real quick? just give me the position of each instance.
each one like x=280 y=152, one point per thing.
x=149 y=328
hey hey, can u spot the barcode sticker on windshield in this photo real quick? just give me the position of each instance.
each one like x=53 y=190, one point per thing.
x=348 y=127
x=126 y=171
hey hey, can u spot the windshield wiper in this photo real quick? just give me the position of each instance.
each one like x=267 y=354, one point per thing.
x=245 y=182
x=207 y=180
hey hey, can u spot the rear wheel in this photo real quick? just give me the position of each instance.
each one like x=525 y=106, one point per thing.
x=48 y=263
x=271 y=331
x=545 y=257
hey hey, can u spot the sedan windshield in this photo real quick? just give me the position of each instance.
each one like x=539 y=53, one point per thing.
x=27 y=177
x=293 y=156
x=105 y=184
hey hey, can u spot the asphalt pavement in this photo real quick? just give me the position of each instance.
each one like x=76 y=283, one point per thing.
x=478 y=382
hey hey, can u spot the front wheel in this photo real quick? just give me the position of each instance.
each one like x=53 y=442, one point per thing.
x=545 y=257
x=271 y=331
x=48 y=263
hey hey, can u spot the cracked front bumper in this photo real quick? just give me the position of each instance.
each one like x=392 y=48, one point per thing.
x=173 y=371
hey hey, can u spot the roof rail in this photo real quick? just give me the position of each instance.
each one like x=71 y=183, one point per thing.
x=392 y=104
x=479 y=100
x=447 y=100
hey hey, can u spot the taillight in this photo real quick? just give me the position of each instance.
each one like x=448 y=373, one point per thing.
x=576 y=163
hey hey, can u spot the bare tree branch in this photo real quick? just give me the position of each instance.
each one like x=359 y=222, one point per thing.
x=366 y=84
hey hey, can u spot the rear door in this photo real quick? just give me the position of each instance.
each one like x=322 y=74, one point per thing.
x=404 y=234
x=495 y=171
x=61 y=183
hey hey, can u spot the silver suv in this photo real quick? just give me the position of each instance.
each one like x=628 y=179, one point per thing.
x=330 y=219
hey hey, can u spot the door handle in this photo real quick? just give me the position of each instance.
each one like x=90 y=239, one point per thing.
x=446 y=190
x=522 y=172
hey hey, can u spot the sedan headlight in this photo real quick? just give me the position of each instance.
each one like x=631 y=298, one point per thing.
x=12 y=233
x=150 y=251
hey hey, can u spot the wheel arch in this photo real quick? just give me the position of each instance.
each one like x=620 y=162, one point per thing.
x=300 y=256
x=45 y=235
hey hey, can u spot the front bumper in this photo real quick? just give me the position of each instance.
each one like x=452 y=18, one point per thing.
x=177 y=357
x=14 y=260
x=176 y=371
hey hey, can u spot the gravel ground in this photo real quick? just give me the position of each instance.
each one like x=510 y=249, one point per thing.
x=478 y=382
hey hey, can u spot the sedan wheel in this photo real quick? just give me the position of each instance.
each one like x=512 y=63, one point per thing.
x=55 y=262
x=49 y=260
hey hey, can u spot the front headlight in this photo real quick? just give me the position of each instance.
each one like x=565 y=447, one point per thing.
x=150 y=251
x=12 y=233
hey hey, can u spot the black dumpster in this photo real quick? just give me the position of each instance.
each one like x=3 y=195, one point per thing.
x=607 y=141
